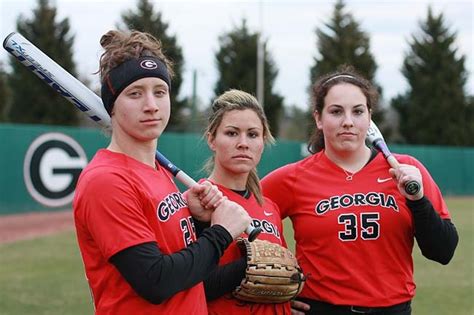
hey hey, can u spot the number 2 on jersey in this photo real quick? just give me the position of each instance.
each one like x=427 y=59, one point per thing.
x=189 y=232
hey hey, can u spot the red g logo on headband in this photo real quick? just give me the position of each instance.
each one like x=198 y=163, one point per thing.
x=148 y=64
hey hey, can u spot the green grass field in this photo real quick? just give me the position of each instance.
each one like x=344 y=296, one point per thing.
x=45 y=275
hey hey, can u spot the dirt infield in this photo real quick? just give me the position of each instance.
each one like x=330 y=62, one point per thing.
x=31 y=225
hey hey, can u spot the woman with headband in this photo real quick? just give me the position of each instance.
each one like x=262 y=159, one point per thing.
x=354 y=223
x=134 y=228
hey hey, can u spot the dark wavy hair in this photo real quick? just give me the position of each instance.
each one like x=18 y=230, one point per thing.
x=319 y=90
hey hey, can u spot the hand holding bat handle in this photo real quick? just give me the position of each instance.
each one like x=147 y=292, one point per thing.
x=188 y=182
x=412 y=187
x=374 y=137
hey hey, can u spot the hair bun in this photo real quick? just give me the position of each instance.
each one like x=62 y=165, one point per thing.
x=108 y=38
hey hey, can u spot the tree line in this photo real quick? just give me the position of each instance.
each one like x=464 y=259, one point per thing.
x=435 y=109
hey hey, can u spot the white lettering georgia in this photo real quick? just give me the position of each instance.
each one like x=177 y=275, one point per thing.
x=345 y=201
x=171 y=204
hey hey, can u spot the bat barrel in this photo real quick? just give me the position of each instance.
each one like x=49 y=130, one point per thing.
x=57 y=77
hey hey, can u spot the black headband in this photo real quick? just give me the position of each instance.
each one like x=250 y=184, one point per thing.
x=128 y=72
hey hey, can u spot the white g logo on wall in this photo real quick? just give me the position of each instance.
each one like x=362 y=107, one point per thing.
x=52 y=167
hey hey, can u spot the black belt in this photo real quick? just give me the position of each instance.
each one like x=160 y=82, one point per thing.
x=318 y=307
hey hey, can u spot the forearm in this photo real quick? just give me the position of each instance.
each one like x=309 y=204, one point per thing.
x=436 y=237
x=157 y=277
x=201 y=226
x=225 y=279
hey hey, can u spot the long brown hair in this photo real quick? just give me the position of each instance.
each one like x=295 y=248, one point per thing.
x=345 y=74
x=238 y=100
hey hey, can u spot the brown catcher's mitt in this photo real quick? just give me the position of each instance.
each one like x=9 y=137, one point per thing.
x=272 y=276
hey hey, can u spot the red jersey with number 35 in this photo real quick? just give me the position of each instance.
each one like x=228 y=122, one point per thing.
x=121 y=202
x=267 y=217
x=354 y=238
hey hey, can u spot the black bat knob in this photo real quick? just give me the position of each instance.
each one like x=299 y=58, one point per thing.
x=412 y=187
x=253 y=235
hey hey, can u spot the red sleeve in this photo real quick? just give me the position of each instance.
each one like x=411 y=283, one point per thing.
x=278 y=186
x=112 y=211
x=430 y=188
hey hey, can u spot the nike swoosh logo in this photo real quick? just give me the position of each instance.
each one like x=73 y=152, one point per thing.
x=383 y=180
x=267 y=213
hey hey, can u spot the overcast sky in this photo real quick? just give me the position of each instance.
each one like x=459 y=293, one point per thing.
x=288 y=25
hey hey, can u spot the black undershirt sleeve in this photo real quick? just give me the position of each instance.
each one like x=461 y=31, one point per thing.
x=157 y=277
x=436 y=237
x=225 y=279
x=200 y=226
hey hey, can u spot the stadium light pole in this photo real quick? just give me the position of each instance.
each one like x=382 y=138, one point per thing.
x=260 y=58
x=194 y=103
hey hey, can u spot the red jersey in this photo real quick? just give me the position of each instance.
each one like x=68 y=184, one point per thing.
x=267 y=217
x=121 y=202
x=354 y=238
